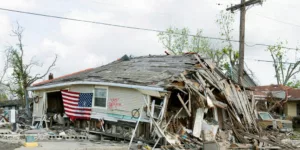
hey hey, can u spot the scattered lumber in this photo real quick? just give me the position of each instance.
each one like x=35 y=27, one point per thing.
x=209 y=100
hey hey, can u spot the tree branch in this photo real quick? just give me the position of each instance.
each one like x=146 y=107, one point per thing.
x=39 y=77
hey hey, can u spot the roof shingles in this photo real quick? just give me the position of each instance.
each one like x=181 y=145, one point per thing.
x=146 y=71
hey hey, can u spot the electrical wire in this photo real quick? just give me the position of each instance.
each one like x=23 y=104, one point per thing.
x=287 y=23
x=268 y=61
x=130 y=27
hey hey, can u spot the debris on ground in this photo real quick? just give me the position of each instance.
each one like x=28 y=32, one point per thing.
x=205 y=106
x=203 y=110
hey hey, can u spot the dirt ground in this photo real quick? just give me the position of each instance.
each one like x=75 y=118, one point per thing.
x=9 y=146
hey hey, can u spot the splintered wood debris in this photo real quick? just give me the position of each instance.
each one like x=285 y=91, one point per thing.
x=201 y=102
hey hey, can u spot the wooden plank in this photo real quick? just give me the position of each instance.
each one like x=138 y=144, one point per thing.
x=209 y=102
x=246 y=114
x=190 y=102
x=163 y=110
x=214 y=100
x=209 y=64
x=198 y=122
x=176 y=87
x=199 y=60
x=184 y=106
x=207 y=77
x=192 y=87
x=219 y=104
x=164 y=129
x=235 y=98
x=152 y=113
x=179 y=111
x=201 y=79
x=200 y=86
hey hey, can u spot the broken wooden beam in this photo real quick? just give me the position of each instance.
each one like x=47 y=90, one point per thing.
x=179 y=111
x=184 y=106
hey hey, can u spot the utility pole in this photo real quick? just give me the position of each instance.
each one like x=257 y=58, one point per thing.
x=242 y=6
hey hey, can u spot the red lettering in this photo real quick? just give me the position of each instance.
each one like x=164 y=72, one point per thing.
x=114 y=103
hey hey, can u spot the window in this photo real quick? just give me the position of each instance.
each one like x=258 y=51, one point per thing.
x=100 y=97
x=265 y=116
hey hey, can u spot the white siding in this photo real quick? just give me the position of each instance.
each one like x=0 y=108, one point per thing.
x=121 y=101
x=82 y=88
x=126 y=99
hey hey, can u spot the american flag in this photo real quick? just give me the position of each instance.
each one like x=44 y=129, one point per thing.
x=77 y=105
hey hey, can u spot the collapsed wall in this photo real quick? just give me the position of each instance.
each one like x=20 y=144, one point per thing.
x=203 y=101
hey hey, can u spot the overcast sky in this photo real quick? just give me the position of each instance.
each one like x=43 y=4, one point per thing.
x=83 y=45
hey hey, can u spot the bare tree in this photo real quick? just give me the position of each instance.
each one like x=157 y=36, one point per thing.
x=21 y=77
x=283 y=71
x=3 y=88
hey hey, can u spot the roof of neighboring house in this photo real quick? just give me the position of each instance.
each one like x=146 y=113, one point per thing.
x=10 y=103
x=271 y=87
x=277 y=91
x=146 y=71
x=247 y=80
x=294 y=94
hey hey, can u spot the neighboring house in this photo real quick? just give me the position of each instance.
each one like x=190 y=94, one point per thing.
x=289 y=98
x=292 y=108
x=247 y=80
x=11 y=104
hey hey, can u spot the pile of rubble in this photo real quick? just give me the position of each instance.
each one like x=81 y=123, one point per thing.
x=213 y=109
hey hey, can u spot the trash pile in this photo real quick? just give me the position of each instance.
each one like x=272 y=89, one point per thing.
x=206 y=108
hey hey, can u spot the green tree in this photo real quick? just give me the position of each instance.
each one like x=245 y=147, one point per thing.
x=283 y=71
x=225 y=22
x=178 y=41
x=21 y=77
x=175 y=40
x=294 y=84
x=3 y=97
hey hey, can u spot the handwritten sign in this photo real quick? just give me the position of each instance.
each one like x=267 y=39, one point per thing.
x=114 y=103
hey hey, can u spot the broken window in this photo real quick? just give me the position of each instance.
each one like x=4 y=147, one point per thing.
x=100 y=97
x=158 y=103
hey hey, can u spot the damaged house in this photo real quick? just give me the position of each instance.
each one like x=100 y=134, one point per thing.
x=281 y=99
x=164 y=99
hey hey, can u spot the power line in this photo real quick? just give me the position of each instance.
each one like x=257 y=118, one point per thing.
x=129 y=27
x=268 y=61
x=287 y=23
